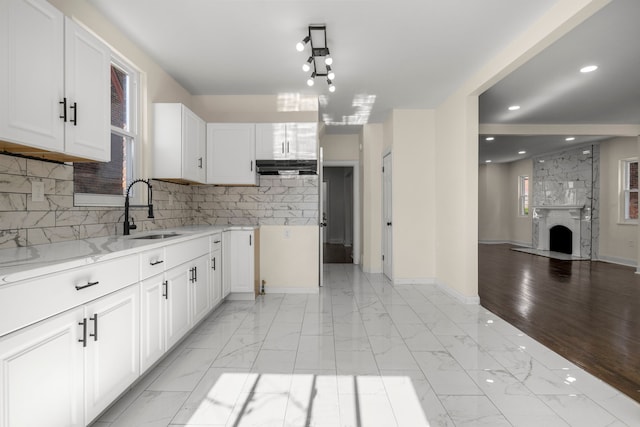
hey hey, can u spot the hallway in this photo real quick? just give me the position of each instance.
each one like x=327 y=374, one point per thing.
x=365 y=353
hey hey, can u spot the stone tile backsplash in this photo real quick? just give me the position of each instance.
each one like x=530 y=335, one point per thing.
x=23 y=222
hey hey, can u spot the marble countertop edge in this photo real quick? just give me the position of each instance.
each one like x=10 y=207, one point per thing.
x=23 y=263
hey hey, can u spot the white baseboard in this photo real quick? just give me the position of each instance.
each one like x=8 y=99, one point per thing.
x=457 y=295
x=417 y=281
x=505 y=242
x=621 y=261
x=241 y=296
x=291 y=290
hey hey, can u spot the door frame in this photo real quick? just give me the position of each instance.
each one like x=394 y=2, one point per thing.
x=386 y=239
x=355 y=165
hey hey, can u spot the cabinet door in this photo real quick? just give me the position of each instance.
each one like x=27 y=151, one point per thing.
x=178 y=304
x=194 y=146
x=215 y=278
x=303 y=140
x=231 y=152
x=112 y=352
x=41 y=373
x=241 y=260
x=88 y=91
x=201 y=302
x=271 y=141
x=31 y=74
x=152 y=312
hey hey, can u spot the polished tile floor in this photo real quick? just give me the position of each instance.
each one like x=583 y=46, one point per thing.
x=364 y=353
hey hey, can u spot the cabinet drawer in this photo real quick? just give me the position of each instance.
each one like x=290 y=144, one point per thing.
x=182 y=252
x=29 y=301
x=151 y=263
x=216 y=242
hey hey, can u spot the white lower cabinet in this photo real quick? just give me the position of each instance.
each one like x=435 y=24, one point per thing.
x=67 y=368
x=239 y=261
x=112 y=348
x=63 y=371
x=152 y=315
x=41 y=373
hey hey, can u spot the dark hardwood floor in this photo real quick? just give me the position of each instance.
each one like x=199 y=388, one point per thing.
x=587 y=311
x=337 y=254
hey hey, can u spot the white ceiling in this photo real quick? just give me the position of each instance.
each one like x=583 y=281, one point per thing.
x=394 y=53
x=551 y=90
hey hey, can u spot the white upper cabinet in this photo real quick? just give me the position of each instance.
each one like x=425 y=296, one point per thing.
x=286 y=141
x=179 y=144
x=54 y=84
x=231 y=154
x=87 y=85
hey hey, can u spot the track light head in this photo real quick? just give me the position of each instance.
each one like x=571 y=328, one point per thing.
x=307 y=65
x=300 y=45
x=328 y=60
x=330 y=74
x=311 y=81
x=332 y=88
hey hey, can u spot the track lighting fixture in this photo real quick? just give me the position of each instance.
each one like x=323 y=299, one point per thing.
x=317 y=39
x=300 y=45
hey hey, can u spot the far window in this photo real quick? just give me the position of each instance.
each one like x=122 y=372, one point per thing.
x=629 y=180
x=523 y=195
x=104 y=184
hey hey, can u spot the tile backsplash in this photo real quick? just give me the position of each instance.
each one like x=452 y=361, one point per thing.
x=23 y=222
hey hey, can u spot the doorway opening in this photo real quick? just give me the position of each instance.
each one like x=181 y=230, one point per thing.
x=340 y=214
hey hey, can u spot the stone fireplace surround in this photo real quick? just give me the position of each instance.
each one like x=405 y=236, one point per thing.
x=567 y=216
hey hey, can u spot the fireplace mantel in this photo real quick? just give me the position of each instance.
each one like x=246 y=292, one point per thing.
x=556 y=207
x=575 y=211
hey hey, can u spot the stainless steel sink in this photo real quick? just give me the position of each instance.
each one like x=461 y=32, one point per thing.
x=157 y=236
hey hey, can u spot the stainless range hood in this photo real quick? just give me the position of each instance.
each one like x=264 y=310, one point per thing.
x=287 y=167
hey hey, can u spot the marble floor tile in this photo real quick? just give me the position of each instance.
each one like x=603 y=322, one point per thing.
x=445 y=375
x=185 y=372
x=213 y=399
x=152 y=409
x=316 y=352
x=365 y=353
x=473 y=411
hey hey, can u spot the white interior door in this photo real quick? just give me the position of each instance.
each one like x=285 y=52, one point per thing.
x=387 y=223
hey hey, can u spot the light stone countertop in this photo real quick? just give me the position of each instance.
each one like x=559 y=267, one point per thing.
x=23 y=263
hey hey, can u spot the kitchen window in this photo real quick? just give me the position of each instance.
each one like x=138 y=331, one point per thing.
x=629 y=193
x=104 y=184
x=523 y=195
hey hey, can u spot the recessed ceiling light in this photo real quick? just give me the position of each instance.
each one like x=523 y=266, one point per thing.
x=514 y=108
x=489 y=138
x=588 y=68
x=522 y=152
x=586 y=152
x=540 y=161
x=487 y=161
x=570 y=138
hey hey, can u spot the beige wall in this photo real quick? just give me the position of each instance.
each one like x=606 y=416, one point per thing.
x=413 y=188
x=457 y=143
x=498 y=216
x=256 y=108
x=618 y=242
x=283 y=265
x=371 y=162
x=340 y=147
x=493 y=206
